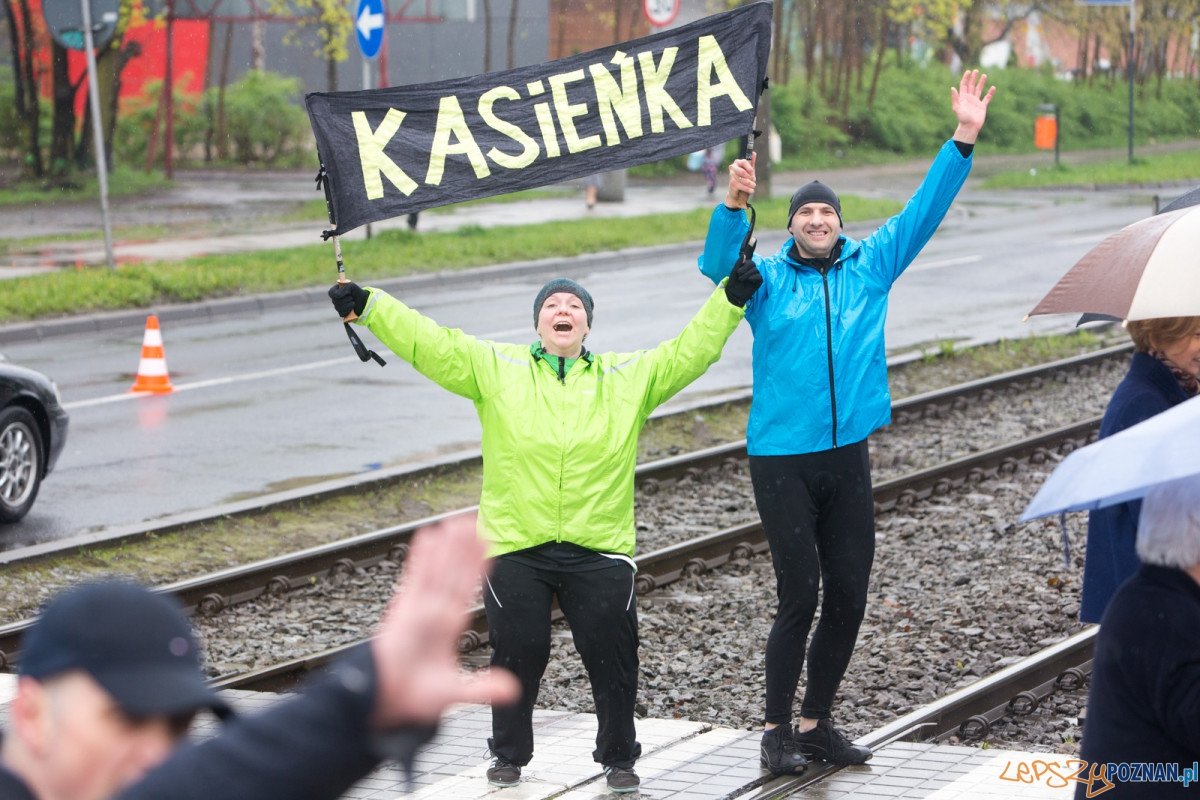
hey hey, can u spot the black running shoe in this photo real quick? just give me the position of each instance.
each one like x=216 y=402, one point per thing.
x=826 y=743
x=779 y=753
x=622 y=781
x=503 y=774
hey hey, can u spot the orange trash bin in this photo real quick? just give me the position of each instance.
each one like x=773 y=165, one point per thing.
x=1045 y=131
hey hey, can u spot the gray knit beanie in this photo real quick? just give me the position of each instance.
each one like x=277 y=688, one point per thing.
x=814 y=192
x=562 y=285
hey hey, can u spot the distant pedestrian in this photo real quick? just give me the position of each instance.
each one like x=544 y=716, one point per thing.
x=560 y=430
x=1143 y=709
x=709 y=166
x=1163 y=372
x=412 y=220
x=110 y=679
x=591 y=188
x=820 y=389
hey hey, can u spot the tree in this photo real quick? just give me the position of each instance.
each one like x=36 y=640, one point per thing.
x=23 y=34
x=323 y=25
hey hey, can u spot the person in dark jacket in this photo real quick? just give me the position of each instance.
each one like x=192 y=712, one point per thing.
x=110 y=679
x=820 y=389
x=1162 y=374
x=1142 y=731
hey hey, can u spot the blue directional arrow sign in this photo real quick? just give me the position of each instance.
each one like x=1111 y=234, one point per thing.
x=368 y=24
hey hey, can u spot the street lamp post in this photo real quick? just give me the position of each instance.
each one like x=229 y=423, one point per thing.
x=97 y=133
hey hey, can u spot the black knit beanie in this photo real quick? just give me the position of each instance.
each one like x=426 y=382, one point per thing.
x=562 y=285
x=814 y=192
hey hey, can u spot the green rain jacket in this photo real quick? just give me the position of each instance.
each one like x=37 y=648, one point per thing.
x=558 y=458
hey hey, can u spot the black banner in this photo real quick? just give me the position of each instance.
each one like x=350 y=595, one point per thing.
x=388 y=152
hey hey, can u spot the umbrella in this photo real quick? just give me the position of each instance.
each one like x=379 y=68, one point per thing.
x=1123 y=466
x=1145 y=270
x=1192 y=198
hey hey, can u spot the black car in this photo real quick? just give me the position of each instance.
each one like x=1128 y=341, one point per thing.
x=33 y=429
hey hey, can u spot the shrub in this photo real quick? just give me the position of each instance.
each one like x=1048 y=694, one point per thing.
x=263 y=121
x=911 y=113
x=135 y=125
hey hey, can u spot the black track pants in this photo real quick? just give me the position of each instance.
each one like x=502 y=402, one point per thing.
x=819 y=517
x=599 y=607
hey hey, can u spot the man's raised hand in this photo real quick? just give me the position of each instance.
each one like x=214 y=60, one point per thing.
x=970 y=104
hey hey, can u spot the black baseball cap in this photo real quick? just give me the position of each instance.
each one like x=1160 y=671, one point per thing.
x=135 y=643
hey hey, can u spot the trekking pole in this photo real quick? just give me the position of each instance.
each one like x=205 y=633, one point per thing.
x=364 y=354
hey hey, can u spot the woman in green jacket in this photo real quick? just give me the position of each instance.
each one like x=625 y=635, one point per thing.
x=560 y=427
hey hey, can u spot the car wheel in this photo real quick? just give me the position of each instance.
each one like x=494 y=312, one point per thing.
x=20 y=463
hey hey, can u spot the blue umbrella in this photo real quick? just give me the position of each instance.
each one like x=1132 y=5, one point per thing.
x=1183 y=201
x=1124 y=466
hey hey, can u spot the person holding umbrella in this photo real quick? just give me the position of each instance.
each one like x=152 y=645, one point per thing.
x=560 y=427
x=1144 y=702
x=1163 y=372
x=820 y=389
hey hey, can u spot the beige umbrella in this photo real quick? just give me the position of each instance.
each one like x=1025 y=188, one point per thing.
x=1145 y=270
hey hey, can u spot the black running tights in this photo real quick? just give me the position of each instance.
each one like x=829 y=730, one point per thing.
x=819 y=516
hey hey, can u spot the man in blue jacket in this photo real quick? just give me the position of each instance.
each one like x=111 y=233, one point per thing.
x=820 y=389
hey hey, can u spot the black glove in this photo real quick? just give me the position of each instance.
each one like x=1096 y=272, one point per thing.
x=744 y=279
x=348 y=297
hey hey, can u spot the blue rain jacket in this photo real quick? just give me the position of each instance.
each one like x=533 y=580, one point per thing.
x=820 y=367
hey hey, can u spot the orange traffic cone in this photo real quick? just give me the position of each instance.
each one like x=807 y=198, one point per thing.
x=152 y=369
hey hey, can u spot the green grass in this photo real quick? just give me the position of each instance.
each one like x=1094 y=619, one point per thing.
x=79 y=188
x=1163 y=168
x=388 y=254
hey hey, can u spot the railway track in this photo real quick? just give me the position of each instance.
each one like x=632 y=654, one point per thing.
x=714 y=550
x=209 y=594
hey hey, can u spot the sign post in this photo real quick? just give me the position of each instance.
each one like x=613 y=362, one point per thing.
x=369 y=22
x=85 y=26
x=97 y=130
x=1128 y=53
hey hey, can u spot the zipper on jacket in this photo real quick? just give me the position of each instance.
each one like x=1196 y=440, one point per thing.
x=562 y=452
x=829 y=354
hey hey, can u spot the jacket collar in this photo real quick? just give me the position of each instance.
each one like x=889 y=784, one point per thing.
x=537 y=351
x=849 y=246
x=1149 y=368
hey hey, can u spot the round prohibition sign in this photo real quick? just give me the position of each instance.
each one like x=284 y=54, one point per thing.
x=660 y=12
